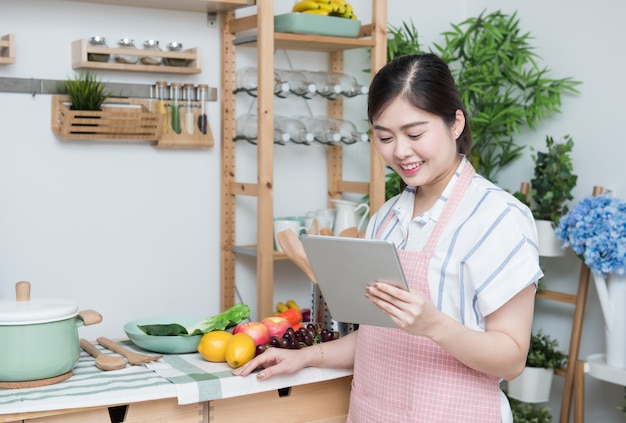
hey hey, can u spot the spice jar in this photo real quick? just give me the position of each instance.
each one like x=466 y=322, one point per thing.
x=97 y=41
x=151 y=45
x=161 y=88
x=128 y=44
x=202 y=98
x=175 y=47
x=189 y=96
x=175 y=108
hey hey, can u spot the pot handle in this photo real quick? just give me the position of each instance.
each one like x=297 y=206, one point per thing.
x=89 y=317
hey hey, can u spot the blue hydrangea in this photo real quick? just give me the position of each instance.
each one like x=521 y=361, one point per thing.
x=595 y=229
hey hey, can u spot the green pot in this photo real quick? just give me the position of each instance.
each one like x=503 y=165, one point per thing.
x=39 y=338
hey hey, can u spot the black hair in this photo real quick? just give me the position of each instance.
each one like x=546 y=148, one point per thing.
x=426 y=82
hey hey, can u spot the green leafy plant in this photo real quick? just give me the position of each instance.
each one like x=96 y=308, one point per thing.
x=551 y=188
x=86 y=92
x=544 y=352
x=502 y=85
x=529 y=413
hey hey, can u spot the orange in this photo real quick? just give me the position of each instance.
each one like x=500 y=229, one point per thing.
x=212 y=345
x=240 y=349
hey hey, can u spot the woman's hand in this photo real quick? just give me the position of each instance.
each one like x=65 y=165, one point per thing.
x=412 y=312
x=275 y=361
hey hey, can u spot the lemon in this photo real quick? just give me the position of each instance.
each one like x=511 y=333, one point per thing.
x=240 y=349
x=212 y=345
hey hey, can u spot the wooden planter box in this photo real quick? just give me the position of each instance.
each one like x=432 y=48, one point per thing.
x=120 y=119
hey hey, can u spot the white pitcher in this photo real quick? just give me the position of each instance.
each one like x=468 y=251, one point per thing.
x=612 y=297
x=347 y=215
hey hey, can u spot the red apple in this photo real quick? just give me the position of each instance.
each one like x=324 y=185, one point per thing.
x=276 y=326
x=257 y=331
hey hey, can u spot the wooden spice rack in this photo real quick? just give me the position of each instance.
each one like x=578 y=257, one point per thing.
x=120 y=119
x=190 y=135
x=7 y=49
x=81 y=49
x=131 y=119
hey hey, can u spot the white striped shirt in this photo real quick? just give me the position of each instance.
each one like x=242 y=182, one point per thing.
x=485 y=256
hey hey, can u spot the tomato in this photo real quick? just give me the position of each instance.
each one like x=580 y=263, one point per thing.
x=292 y=315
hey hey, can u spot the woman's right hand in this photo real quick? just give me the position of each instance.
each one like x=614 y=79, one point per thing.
x=276 y=361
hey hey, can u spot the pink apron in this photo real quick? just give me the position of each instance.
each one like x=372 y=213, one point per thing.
x=405 y=378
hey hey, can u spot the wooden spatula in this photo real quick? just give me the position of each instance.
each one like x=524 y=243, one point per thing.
x=315 y=228
x=293 y=249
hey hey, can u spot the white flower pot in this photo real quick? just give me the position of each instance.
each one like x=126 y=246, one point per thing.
x=549 y=245
x=532 y=385
x=612 y=296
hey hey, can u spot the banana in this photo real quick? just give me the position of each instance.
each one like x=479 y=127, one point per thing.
x=293 y=304
x=324 y=6
x=303 y=5
x=280 y=307
x=320 y=12
x=339 y=2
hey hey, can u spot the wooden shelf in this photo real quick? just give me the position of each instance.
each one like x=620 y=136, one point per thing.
x=251 y=250
x=7 y=49
x=81 y=49
x=206 y=6
x=258 y=31
x=304 y=42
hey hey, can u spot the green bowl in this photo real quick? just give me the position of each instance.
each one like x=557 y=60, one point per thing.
x=163 y=344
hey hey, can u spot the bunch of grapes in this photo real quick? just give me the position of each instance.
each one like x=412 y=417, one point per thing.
x=306 y=336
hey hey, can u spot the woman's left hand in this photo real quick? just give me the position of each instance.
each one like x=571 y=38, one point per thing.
x=412 y=312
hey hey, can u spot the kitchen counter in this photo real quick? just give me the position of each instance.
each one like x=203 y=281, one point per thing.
x=181 y=388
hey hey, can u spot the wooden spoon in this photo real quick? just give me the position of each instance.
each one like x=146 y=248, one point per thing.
x=351 y=232
x=103 y=361
x=326 y=231
x=293 y=249
x=315 y=228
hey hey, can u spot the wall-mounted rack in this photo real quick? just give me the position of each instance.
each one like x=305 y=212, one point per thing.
x=34 y=86
x=7 y=49
x=81 y=50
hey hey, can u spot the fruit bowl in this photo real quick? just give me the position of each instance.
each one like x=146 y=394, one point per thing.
x=304 y=23
x=163 y=344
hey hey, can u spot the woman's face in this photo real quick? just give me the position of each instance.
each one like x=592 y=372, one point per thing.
x=418 y=145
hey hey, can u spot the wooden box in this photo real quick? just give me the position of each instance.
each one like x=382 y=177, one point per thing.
x=120 y=119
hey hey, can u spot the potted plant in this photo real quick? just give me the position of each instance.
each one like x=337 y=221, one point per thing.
x=595 y=229
x=550 y=190
x=86 y=92
x=529 y=413
x=534 y=383
x=503 y=87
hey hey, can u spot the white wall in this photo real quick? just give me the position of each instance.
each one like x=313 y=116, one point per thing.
x=132 y=231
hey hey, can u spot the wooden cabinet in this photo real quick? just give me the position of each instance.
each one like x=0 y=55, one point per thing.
x=372 y=36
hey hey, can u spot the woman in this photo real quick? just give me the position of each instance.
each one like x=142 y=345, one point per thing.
x=469 y=251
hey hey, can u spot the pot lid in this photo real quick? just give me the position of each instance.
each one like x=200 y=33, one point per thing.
x=23 y=310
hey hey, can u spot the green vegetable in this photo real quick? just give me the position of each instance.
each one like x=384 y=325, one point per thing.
x=225 y=320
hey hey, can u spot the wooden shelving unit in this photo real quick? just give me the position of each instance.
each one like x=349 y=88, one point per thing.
x=7 y=49
x=372 y=36
x=81 y=49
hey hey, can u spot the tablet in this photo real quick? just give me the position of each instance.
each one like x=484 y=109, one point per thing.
x=343 y=268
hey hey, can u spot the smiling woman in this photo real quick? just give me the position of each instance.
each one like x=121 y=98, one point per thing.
x=471 y=278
